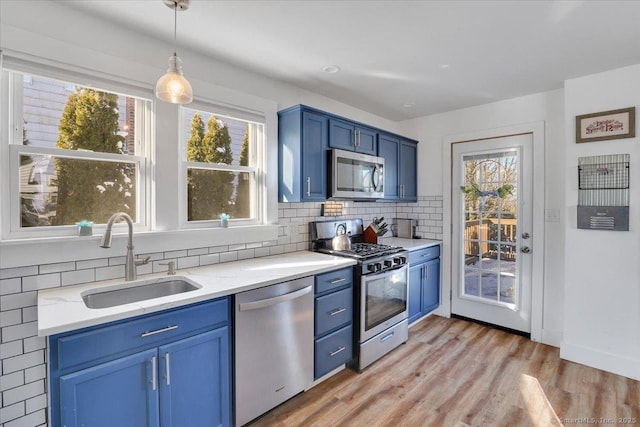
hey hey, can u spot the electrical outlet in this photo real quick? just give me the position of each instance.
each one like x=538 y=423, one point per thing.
x=552 y=215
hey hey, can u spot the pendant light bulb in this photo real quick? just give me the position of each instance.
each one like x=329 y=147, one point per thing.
x=173 y=87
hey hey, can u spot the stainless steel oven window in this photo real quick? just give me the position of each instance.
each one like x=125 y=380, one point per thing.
x=385 y=296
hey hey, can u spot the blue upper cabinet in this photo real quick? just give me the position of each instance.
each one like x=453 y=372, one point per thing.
x=349 y=136
x=303 y=140
x=400 y=164
x=408 y=171
x=389 y=149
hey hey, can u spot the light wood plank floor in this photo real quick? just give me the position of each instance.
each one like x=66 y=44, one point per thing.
x=456 y=373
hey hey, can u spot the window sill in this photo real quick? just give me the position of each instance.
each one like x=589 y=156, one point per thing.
x=36 y=251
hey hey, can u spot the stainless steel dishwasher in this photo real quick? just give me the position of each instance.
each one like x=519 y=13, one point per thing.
x=274 y=346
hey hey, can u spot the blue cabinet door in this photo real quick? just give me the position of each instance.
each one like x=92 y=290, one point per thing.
x=366 y=140
x=431 y=286
x=408 y=171
x=341 y=135
x=195 y=381
x=389 y=149
x=314 y=157
x=415 y=293
x=123 y=392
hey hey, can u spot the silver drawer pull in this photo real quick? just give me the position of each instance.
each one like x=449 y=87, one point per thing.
x=425 y=255
x=333 y=353
x=159 y=331
x=333 y=282
x=383 y=339
x=338 y=311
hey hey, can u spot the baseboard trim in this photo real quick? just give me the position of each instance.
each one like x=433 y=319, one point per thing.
x=609 y=362
x=551 y=337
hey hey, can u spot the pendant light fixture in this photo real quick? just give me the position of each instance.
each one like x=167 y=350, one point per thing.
x=173 y=87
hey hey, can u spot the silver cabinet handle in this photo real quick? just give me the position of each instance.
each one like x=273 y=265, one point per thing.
x=159 y=331
x=357 y=138
x=426 y=272
x=167 y=363
x=333 y=282
x=333 y=353
x=308 y=186
x=254 y=305
x=386 y=337
x=154 y=379
x=340 y=310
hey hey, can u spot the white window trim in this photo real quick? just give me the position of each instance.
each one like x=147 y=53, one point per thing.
x=163 y=191
x=15 y=230
x=258 y=191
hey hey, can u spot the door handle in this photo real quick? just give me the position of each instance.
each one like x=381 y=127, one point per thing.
x=525 y=249
x=154 y=379
x=526 y=235
x=167 y=368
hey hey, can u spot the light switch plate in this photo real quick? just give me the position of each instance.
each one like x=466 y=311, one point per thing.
x=552 y=215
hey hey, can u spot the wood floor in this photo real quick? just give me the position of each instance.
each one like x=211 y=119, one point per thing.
x=456 y=373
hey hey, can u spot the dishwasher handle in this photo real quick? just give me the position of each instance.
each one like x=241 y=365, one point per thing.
x=267 y=302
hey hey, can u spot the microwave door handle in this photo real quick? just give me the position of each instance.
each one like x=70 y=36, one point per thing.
x=375 y=178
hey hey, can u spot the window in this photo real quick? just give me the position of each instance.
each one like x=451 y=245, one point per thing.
x=76 y=152
x=223 y=158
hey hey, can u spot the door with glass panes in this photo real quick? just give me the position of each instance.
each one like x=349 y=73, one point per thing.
x=492 y=222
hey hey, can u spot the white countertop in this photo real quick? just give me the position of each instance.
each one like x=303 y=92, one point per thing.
x=62 y=309
x=409 y=244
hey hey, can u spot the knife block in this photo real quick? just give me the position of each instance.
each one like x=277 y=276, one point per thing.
x=370 y=236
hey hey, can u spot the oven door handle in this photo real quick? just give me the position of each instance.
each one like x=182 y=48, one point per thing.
x=385 y=274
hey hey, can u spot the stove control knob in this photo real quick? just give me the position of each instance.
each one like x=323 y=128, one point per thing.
x=388 y=263
x=402 y=260
x=371 y=267
x=378 y=266
x=396 y=260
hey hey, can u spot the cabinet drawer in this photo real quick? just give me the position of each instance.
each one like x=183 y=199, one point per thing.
x=422 y=255
x=333 y=350
x=334 y=280
x=333 y=310
x=108 y=342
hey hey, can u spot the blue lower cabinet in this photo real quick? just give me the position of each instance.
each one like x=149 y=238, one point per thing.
x=333 y=320
x=424 y=282
x=117 y=393
x=167 y=369
x=195 y=382
x=333 y=350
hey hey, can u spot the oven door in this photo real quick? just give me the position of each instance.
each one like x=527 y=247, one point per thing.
x=356 y=176
x=383 y=301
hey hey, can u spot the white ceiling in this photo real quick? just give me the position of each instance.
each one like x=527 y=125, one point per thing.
x=436 y=55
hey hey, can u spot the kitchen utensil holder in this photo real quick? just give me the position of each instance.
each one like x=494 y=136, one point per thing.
x=603 y=192
x=370 y=235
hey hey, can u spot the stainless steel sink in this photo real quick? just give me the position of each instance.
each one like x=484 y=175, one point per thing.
x=137 y=291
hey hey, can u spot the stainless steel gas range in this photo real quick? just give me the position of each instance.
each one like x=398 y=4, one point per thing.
x=381 y=289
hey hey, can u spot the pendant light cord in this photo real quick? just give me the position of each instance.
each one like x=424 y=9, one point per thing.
x=175 y=27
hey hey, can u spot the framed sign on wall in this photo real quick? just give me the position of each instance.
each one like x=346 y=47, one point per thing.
x=614 y=124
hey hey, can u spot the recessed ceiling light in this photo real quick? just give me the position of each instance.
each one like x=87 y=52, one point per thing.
x=444 y=66
x=409 y=104
x=331 y=69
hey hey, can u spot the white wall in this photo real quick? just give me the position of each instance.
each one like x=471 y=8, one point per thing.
x=602 y=293
x=432 y=131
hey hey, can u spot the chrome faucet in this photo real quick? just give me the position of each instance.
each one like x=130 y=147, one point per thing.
x=131 y=263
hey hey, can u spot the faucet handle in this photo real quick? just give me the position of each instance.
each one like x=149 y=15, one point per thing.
x=142 y=261
x=171 y=265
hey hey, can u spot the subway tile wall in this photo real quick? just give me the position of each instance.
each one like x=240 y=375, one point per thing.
x=23 y=369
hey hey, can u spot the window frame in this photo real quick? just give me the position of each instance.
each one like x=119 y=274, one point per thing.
x=12 y=113
x=257 y=189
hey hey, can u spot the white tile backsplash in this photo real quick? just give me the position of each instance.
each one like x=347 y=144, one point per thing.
x=23 y=398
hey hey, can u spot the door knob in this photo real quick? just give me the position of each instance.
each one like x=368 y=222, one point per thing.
x=525 y=249
x=526 y=235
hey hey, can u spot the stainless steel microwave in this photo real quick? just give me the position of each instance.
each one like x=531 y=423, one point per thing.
x=355 y=176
